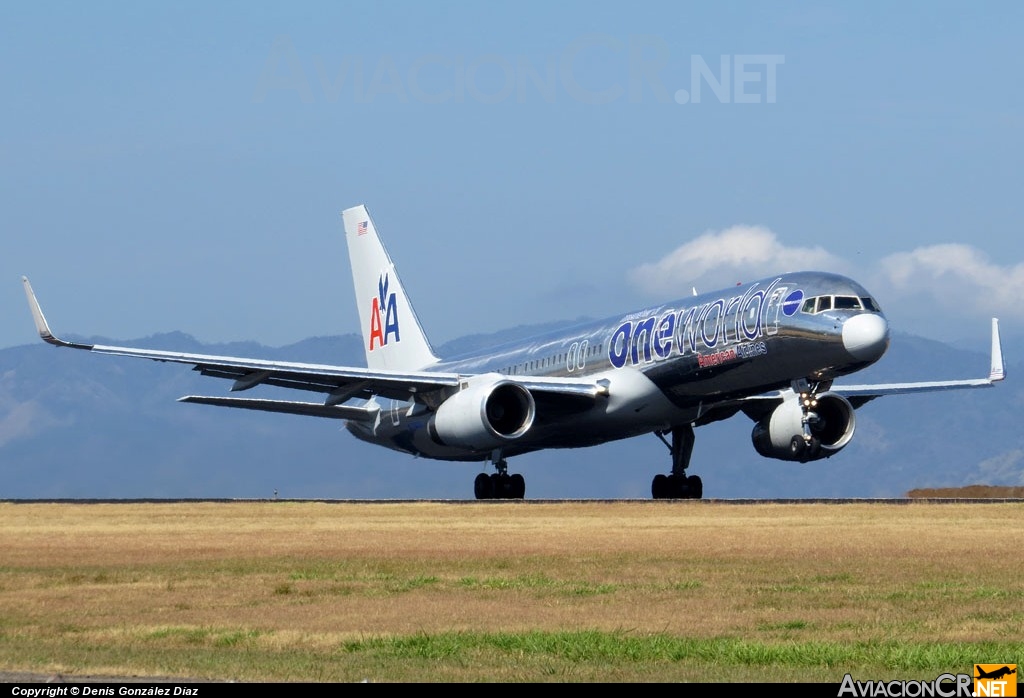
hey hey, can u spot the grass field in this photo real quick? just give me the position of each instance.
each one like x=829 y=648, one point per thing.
x=519 y=591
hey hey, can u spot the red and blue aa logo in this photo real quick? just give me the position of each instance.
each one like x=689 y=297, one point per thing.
x=383 y=316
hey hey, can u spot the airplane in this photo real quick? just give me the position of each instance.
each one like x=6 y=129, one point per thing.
x=995 y=673
x=770 y=349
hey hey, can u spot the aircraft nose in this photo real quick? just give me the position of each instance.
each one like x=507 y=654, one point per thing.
x=866 y=336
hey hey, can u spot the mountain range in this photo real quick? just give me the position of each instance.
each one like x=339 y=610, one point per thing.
x=76 y=425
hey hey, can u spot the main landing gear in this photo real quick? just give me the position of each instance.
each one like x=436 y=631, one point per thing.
x=677 y=485
x=499 y=485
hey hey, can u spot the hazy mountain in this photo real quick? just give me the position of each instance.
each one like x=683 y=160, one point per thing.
x=73 y=424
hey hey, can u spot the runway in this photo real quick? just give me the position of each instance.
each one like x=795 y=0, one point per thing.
x=524 y=502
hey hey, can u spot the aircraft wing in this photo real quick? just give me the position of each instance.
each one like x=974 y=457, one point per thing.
x=755 y=406
x=859 y=394
x=340 y=383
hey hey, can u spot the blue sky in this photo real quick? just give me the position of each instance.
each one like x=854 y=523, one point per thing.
x=182 y=166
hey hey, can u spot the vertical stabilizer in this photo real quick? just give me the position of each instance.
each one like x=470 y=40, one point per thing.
x=392 y=335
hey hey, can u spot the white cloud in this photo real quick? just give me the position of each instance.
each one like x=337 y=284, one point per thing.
x=957 y=280
x=1004 y=469
x=19 y=420
x=955 y=275
x=22 y=420
x=721 y=258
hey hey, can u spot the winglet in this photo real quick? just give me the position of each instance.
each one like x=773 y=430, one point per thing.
x=37 y=314
x=997 y=372
x=41 y=325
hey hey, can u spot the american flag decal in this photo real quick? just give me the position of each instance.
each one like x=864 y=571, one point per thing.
x=361 y=230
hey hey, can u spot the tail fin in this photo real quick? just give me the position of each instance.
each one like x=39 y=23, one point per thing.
x=392 y=336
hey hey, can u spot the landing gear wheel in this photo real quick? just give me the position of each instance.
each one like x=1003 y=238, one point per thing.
x=482 y=487
x=517 y=486
x=796 y=447
x=499 y=485
x=505 y=486
x=695 y=486
x=677 y=487
x=660 y=487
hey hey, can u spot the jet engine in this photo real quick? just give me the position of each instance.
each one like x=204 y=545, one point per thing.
x=780 y=434
x=485 y=415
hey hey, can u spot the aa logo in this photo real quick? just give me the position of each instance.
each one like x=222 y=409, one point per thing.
x=383 y=316
x=995 y=680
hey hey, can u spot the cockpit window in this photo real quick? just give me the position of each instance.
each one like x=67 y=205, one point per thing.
x=817 y=304
x=870 y=304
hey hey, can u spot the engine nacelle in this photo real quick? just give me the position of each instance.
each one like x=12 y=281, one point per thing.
x=486 y=415
x=832 y=427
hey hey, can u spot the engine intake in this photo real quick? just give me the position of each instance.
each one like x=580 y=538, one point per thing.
x=485 y=415
x=832 y=427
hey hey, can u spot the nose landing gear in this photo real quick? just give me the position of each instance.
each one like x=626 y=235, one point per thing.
x=807 y=447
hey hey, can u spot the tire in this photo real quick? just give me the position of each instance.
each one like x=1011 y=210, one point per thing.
x=659 y=486
x=499 y=486
x=696 y=486
x=796 y=447
x=677 y=487
x=517 y=486
x=482 y=487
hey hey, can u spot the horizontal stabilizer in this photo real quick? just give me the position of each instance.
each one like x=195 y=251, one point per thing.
x=308 y=409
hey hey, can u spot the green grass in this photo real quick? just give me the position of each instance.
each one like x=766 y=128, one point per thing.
x=604 y=647
x=538 y=583
x=528 y=656
x=762 y=594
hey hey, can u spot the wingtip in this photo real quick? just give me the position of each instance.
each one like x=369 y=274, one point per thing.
x=42 y=327
x=998 y=370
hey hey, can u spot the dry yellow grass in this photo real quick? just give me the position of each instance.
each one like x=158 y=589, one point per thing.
x=968 y=492
x=307 y=577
